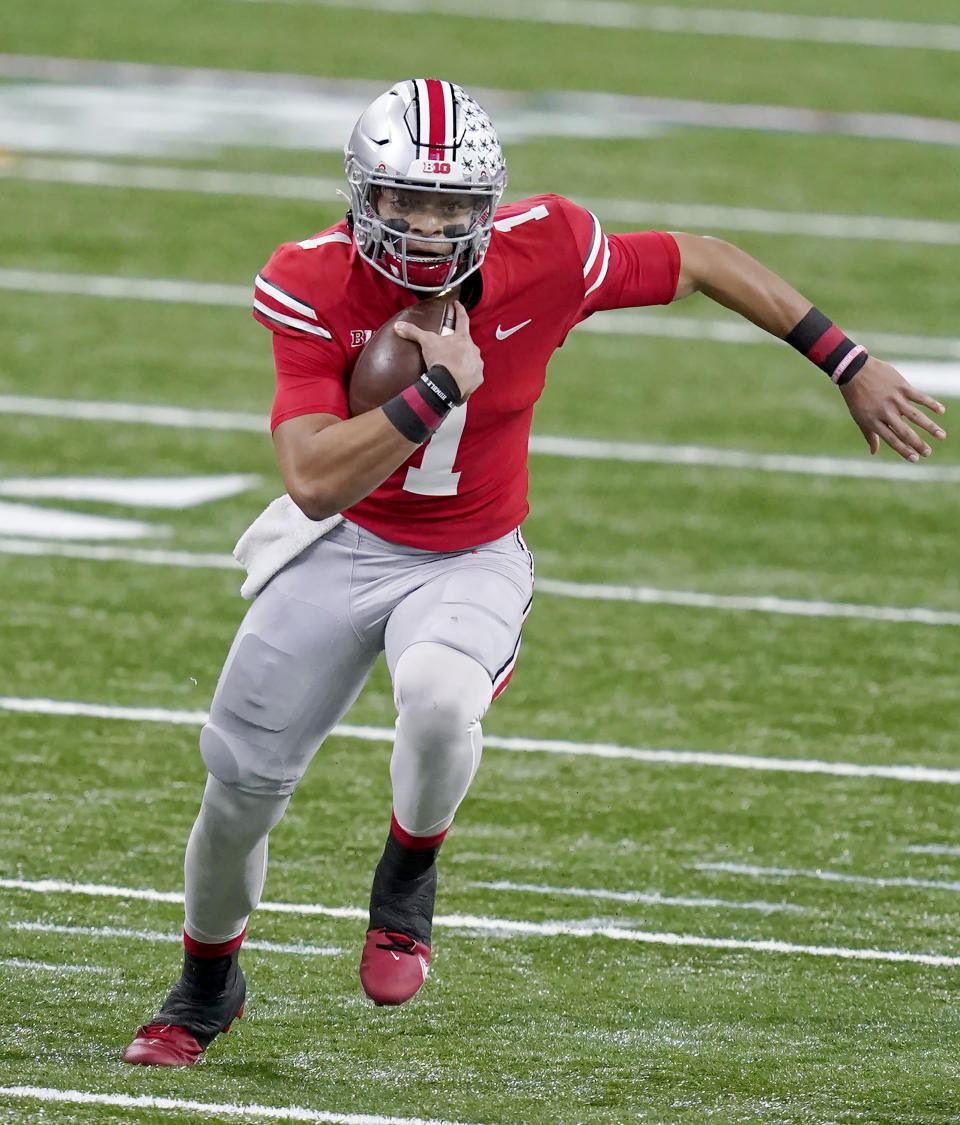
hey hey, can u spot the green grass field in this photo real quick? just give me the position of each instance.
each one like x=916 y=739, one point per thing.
x=709 y=869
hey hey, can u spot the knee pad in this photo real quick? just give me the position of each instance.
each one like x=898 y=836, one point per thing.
x=254 y=739
x=245 y=766
x=440 y=693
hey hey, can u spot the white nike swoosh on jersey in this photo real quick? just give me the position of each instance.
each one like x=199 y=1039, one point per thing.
x=503 y=333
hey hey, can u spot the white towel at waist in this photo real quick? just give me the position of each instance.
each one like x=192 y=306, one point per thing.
x=276 y=537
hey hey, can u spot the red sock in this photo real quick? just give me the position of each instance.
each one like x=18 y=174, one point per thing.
x=207 y=950
x=415 y=843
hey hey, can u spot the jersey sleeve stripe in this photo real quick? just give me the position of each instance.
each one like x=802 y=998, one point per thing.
x=323 y=239
x=290 y=321
x=603 y=268
x=595 y=241
x=282 y=297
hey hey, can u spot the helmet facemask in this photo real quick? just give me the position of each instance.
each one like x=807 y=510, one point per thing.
x=424 y=139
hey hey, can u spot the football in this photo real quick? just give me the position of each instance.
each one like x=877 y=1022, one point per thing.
x=388 y=364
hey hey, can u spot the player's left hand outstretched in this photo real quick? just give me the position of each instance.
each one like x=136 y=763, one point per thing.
x=882 y=404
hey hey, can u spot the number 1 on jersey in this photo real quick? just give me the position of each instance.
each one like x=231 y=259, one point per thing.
x=435 y=476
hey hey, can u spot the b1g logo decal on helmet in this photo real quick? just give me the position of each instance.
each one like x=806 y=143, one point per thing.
x=424 y=148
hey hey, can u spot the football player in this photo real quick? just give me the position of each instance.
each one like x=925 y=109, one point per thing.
x=400 y=530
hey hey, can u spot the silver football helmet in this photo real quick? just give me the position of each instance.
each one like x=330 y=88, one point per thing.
x=424 y=136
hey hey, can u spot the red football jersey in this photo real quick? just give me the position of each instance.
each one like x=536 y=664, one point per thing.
x=549 y=266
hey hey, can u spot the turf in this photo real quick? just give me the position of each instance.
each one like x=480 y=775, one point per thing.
x=516 y=1025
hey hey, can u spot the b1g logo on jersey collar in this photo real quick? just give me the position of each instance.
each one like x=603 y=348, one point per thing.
x=359 y=336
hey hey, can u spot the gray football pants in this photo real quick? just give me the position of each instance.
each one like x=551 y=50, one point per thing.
x=449 y=624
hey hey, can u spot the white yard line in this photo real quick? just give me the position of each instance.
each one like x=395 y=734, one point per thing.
x=127 y=288
x=296 y=948
x=934 y=849
x=755 y=872
x=513 y=927
x=215 y=1110
x=613 y=752
x=166 y=110
x=792 y=607
x=622 y=322
x=617 y=15
x=143 y=556
x=659 y=213
x=734 y=330
x=651 y=453
x=178 y=417
x=134 y=413
x=585 y=591
x=640 y=898
x=26 y=965
x=172 y=492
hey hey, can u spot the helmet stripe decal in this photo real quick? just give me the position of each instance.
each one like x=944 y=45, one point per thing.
x=435 y=101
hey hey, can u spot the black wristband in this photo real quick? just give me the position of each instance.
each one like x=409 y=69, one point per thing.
x=417 y=411
x=442 y=384
x=824 y=344
x=406 y=419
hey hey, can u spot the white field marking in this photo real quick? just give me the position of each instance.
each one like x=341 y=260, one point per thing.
x=663 y=214
x=620 y=322
x=792 y=607
x=144 y=556
x=829 y=876
x=934 y=849
x=574 y=447
x=297 y=948
x=589 y=929
x=508 y=927
x=26 y=519
x=609 y=751
x=733 y=330
x=135 y=492
x=639 y=595
x=176 y=417
x=939 y=379
x=128 y=288
x=47 y=967
x=642 y=898
x=584 y=591
x=216 y=1110
x=650 y=453
x=168 y=110
x=617 y=15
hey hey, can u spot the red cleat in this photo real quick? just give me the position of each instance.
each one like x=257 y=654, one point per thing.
x=162 y=1044
x=165 y=1044
x=393 y=966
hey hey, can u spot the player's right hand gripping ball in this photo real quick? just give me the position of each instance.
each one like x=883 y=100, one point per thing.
x=389 y=364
